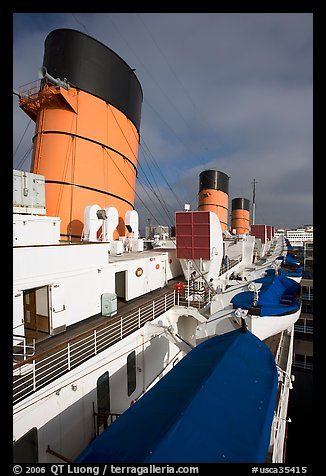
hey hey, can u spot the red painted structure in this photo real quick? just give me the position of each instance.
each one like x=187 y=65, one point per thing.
x=193 y=235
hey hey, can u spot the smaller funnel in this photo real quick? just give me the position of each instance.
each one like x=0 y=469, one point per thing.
x=213 y=194
x=240 y=215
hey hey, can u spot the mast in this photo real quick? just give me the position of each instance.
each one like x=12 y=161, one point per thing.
x=253 y=202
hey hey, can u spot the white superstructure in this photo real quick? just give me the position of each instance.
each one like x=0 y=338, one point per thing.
x=298 y=236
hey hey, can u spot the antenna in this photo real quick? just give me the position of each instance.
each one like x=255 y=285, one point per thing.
x=253 y=202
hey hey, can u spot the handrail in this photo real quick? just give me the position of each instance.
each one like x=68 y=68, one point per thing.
x=86 y=333
x=199 y=291
x=38 y=371
x=29 y=89
x=41 y=369
x=304 y=328
x=20 y=343
x=230 y=264
x=58 y=455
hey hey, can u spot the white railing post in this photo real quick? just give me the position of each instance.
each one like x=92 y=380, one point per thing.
x=188 y=300
x=68 y=355
x=121 y=334
x=153 y=310
x=165 y=302
x=139 y=318
x=95 y=347
x=34 y=375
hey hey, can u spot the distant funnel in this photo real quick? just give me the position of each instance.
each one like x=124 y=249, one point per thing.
x=240 y=215
x=214 y=194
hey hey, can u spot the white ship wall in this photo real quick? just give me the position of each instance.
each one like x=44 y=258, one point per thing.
x=240 y=247
x=233 y=249
x=248 y=250
x=62 y=412
x=77 y=276
x=35 y=230
x=28 y=192
x=174 y=268
x=265 y=248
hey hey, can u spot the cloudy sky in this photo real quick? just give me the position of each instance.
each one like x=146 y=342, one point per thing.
x=225 y=91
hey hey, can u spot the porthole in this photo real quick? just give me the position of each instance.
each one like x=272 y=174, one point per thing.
x=139 y=272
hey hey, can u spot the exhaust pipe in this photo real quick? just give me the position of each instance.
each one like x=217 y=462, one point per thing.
x=43 y=74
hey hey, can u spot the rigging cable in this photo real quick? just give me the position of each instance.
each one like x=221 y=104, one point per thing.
x=80 y=23
x=30 y=148
x=172 y=70
x=161 y=200
x=151 y=157
x=194 y=264
x=22 y=160
x=139 y=198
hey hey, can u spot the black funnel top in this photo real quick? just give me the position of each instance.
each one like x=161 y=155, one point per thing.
x=213 y=179
x=91 y=66
x=240 y=204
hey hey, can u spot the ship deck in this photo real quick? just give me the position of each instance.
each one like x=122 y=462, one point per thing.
x=58 y=354
x=55 y=355
x=92 y=323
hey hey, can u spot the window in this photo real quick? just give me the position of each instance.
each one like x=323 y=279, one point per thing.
x=303 y=361
x=26 y=448
x=299 y=360
x=131 y=372
x=309 y=362
x=103 y=393
x=307 y=307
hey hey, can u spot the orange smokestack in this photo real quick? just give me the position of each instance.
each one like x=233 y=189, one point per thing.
x=240 y=215
x=213 y=194
x=87 y=135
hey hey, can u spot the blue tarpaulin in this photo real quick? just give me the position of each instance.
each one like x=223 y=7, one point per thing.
x=216 y=406
x=278 y=295
x=296 y=273
x=289 y=259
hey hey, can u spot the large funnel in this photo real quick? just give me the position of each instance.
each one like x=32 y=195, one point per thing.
x=214 y=194
x=240 y=215
x=87 y=135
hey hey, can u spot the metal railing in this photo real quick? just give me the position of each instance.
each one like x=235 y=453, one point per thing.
x=307 y=296
x=34 y=373
x=21 y=349
x=303 y=365
x=195 y=294
x=304 y=328
x=229 y=264
x=283 y=360
x=30 y=89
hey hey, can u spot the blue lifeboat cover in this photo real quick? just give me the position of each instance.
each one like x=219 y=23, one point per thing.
x=295 y=273
x=215 y=406
x=278 y=295
x=289 y=259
